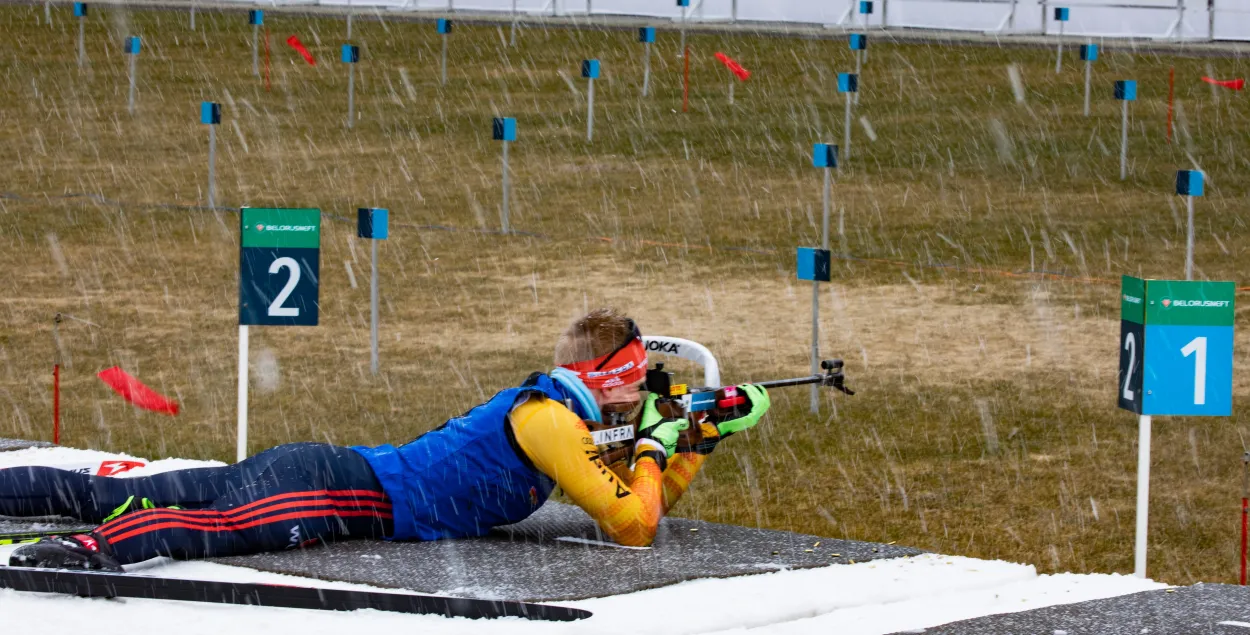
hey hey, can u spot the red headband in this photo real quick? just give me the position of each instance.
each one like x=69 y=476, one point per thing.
x=625 y=365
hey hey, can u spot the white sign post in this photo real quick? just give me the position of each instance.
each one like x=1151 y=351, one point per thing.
x=1061 y=16
x=371 y=223
x=132 y=48
x=1125 y=91
x=646 y=35
x=814 y=264
x=210 y=115
x=1176 y=358
x=590 y=70
x=504 y=129
x=279 y=272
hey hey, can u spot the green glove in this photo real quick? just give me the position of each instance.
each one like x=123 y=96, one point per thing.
x=655 y=429
x=757 y=398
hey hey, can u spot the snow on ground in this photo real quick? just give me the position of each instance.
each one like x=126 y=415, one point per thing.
x=883 y=596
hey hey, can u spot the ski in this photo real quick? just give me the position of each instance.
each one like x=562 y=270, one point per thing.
x=94 y=584
x=20 y=537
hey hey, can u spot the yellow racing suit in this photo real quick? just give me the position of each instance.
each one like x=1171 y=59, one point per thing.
x=628 y=505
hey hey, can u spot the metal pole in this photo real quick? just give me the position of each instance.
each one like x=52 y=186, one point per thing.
x=731 y=91
x=1211 y=19
x=1180 y=19
x=824 y=244
x=590 y=110
x=373 y=312
x=132 y=84
x=256 y=49
x=1059 y=56
x=349 y=22
x=192 y=16
x=241 y=448
x=504 y=213
x=444 y=59
x=1245 y=512
x=859 y=67
x=1087 y=66
x=1124 y=142
x=1011 y=18
x=646 y=67
x=1189 y=240
x=681 y=51
x=1143 y=494
x=212 y=166
x=846 y=132
x=815 y=397
x=82 y=49
x=47 y=12
x=512 y=36
x=351 y=94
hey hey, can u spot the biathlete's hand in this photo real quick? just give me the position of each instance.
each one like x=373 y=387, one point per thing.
x=758 y=402
x=658 y=431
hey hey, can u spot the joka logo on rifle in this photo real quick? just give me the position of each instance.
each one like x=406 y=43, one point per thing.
x=671 y=348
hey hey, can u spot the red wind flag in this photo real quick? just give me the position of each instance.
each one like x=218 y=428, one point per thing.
x=294 y=43
x=734 y=67
x=1235 y=84
x=135 y=392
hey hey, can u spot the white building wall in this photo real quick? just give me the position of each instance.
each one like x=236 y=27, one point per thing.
x=1155 y=19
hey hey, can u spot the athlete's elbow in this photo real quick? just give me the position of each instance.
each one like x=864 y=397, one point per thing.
x=640 y=535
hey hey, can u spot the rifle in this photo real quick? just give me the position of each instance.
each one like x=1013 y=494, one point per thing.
x=700 y=405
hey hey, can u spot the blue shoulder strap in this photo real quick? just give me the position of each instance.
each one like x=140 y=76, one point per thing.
x=574 y=389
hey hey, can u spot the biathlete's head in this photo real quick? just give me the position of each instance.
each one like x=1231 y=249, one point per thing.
x=604 y=348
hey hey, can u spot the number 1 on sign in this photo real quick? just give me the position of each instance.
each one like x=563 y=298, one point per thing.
x=1198 y=345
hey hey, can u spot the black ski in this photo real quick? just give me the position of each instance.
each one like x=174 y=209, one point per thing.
x=19 y=537
x=96 y=584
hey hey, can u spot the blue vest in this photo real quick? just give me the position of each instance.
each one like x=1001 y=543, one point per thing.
x=466 y=476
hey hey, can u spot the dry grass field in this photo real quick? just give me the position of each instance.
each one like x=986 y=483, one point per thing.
x=954 y=338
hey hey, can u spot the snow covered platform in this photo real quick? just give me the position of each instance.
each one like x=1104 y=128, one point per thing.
x=8 y=445
x=1203 y=608
x=912 y=594
x=554 y=554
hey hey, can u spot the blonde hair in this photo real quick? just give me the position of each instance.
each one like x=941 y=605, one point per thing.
x=597 y=333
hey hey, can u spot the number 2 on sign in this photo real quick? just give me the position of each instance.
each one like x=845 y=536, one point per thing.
x=1198 y=345
x=276 y=309
x=1130 y=345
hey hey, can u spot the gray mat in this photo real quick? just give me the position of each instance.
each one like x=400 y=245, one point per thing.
x=1190 y=610
x=21 y=444
x=526 y=561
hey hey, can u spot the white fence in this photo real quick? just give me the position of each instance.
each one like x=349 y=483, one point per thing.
x=1157 y=19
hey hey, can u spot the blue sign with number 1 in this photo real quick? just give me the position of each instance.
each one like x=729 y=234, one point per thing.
x=1189 y=370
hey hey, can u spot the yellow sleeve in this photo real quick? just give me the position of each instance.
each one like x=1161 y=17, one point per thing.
x=682 y=468
x=559 y=445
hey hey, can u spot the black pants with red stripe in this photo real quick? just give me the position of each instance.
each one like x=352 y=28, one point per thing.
x=286 y=497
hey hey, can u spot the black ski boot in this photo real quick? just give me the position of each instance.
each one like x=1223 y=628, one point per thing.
x=81 y=551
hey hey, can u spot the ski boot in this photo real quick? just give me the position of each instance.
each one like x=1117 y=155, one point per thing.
x=80 y=551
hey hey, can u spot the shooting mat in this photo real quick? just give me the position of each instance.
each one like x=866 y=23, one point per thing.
x=21 y=444
x=535 y=561
x=1197 y=609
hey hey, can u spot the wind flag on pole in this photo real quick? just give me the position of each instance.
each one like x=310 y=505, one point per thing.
x=294 y=43
x=1235 y=84
x=734 y=67
x=135 y=392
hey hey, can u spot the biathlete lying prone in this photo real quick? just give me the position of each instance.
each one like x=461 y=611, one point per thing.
x=494 y=465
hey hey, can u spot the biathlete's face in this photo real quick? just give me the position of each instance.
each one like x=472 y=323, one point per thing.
x=628 y=394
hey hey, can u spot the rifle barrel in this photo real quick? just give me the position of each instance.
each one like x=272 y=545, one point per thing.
x=796 y=381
